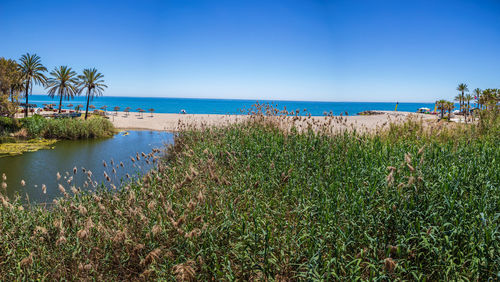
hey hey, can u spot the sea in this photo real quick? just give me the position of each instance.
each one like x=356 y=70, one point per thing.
x=227 y=106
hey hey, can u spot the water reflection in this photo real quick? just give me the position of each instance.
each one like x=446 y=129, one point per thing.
x=42 y=167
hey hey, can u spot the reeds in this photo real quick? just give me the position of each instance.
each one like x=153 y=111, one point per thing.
x=255 y=201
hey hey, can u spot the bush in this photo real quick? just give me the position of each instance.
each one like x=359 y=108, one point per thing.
x=65 y=128
x=8 y=125
x=34 y=125
x=95 y=127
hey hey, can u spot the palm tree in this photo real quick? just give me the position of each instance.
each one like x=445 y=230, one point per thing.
x=467 y=98
x=462 y=87
x=477 y=95
x=93 y=82
x=31 y=70
x=442 y=105
x=63 y=83
x=450 y=106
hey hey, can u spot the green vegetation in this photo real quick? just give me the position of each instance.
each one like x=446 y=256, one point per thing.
x=63 y=83
x=31 y=70
x=18 y=147
x=65 y=128
x=92 y=82
x=16 y=78
x=253 y=202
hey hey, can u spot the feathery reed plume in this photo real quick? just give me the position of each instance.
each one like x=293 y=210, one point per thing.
x=27 y=261
x=82 y=234
x=44 y=188
x=156 y=229
x=193 y=233
x=104 y=163
x=58 y=176
x=151 y=257
x=23 y=183
x=4 y=185
x=61 y=188
x=61 y=240
x=107 y=177
x=184 y=271
x=389 y=264
x=4 y=177
x=74 y=170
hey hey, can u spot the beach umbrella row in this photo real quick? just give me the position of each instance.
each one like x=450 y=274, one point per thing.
x=104 y=108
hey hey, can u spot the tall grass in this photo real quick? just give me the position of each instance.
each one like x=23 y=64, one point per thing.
x=254 y=202
x=95 y=127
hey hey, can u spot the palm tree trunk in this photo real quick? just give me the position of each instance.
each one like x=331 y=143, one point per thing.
x=87 y=108
x=26 y=106
x=60 y=103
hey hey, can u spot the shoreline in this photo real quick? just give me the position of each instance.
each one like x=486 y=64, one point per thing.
x=175 y=122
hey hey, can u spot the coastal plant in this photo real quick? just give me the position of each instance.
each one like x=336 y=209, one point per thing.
x=31 y=69
x=8 y=125
x=34 y=125
x=92 y=82
x=258 y=201
x=63 y=83
x=95 y=127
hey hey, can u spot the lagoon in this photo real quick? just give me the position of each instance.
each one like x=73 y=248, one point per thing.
x=41 y=167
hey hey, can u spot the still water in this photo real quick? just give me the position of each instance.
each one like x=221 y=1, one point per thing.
x=42 y=167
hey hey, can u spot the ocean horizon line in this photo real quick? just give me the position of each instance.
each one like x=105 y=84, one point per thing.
x=249 y=99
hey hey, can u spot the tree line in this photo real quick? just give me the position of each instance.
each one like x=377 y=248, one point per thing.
x=484 y=99
x=18 y=77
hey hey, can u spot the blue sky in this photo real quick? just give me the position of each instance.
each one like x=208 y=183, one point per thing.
x=366 y=50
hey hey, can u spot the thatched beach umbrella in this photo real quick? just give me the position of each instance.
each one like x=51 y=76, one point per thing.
x=70 y=106
x=104 y=108
x=79 y=107
x=127 y=110
x=92 y=107
x=151 y=111
x=116 y=109
x=140 y=111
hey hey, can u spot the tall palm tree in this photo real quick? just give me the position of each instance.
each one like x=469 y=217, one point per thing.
x=450 y=106
x=442 y=105
x=467 y=98
x=32 y=71
x=93 y=82
x=63 y=83
x=462 y=87
x=477 y=95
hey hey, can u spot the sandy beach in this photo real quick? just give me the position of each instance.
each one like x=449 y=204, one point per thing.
x=175 y=122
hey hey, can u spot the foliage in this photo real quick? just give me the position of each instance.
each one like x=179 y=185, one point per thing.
x=66 y=128
x=95 y=127
x=63 y=83
x=92 y=82
x=20 y=146
x=31 y=69
x=8 y=125
x=253 y=202
x=34 y=125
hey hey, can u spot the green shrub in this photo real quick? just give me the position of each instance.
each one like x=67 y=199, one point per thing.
x=66 y=128
x=8 y=125
x=95 y=127
x=34 y=125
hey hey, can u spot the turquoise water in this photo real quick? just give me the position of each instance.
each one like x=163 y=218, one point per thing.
x=41 y=167
x=228 y=106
